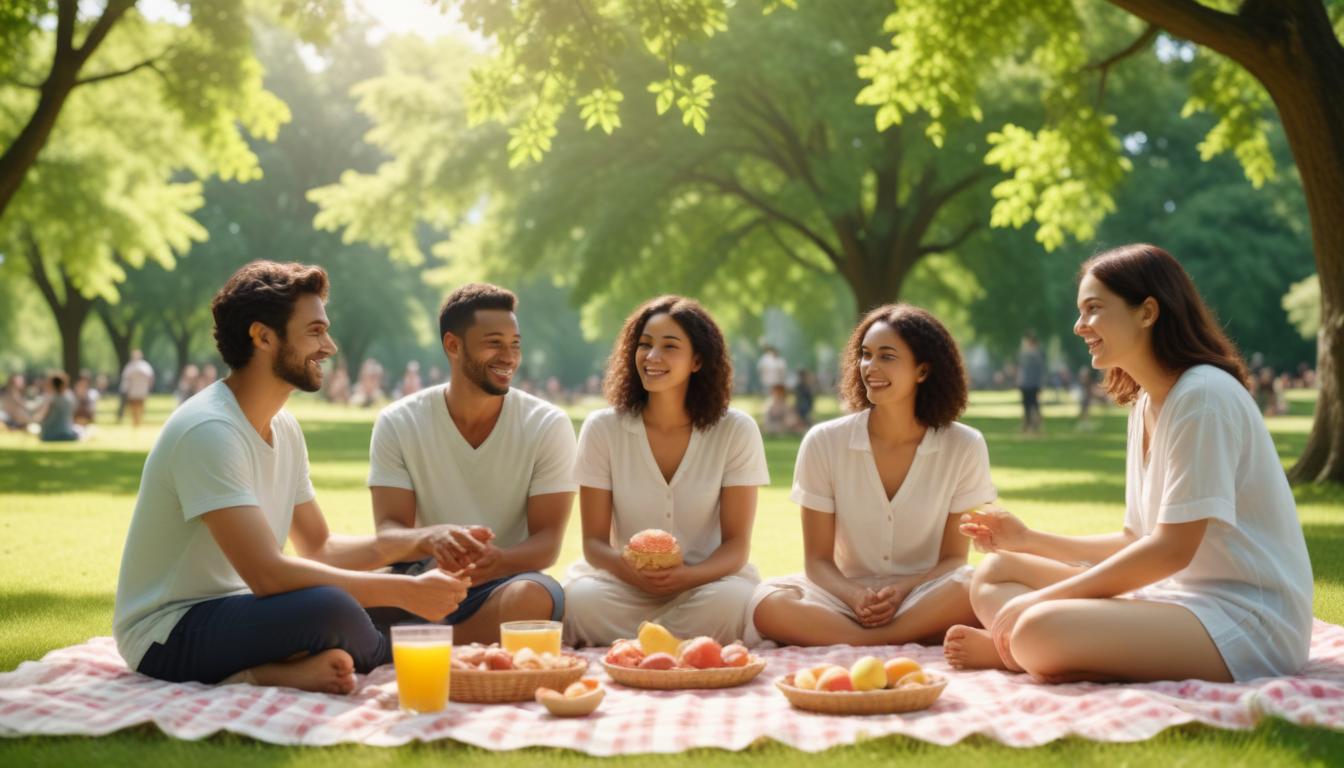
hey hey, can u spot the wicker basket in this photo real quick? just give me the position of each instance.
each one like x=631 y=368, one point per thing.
x=675 y=679
x=880 y=702
x=500 y=686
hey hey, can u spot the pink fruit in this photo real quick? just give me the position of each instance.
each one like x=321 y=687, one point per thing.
x=835 y=679
x=702 y=653
x=735 y=655
x=498 y=658
x=625 y=653
x=658 y=661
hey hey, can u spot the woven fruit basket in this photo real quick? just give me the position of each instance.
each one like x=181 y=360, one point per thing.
x=501 y=686
x=677 y=679
x=880 y=702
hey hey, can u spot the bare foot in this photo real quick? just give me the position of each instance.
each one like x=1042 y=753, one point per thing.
x=970 y=648
x=331 y=671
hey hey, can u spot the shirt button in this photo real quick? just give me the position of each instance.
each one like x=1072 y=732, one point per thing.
x=888 y=518
x=884 y=557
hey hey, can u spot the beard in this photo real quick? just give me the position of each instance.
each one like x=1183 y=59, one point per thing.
x=477 y=373
x=293 y=369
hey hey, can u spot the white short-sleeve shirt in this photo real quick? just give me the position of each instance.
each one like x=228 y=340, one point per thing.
x=614 y=454
x=1212 y=458
x=876 y=536
x=530 y=452
x=207 y=457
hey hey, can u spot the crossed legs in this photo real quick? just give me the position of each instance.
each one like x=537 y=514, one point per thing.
x=1066 y=640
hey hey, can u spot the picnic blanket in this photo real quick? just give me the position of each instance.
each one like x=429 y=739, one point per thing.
x=87 y=689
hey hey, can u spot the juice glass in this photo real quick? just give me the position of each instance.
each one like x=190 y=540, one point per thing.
x=540 y=636
x=422 y=655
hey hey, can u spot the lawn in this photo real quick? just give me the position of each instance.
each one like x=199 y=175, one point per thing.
x=64 y=512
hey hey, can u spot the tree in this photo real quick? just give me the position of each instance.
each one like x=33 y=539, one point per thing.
x=1257 y=56
x=204 y=68
x=103 y=196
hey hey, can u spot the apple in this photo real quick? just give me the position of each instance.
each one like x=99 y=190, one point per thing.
x=867 y=674
x=702 y=653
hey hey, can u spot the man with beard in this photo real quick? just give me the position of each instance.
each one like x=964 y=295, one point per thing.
x=478 y=474
x=206 y=590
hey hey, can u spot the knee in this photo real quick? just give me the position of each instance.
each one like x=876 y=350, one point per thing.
x=330 y=608
x=582 y=596
x=1040 y=637
x=526 y=599
x=992 y=569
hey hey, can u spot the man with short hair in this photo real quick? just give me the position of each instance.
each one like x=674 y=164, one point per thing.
x=206 y=590
x=484 y=469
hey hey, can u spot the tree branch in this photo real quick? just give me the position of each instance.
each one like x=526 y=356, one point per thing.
x=98 y=78
x=1223 y=32
x=67 y=12
x=792 y=254
x=1140 y=43
x=39 y=271
x=112 y=13
x=735 y=188
x=971 y=228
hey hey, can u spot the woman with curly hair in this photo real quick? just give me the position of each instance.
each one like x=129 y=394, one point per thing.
x=670 y=455
x=1209 y=579
x=882 y=491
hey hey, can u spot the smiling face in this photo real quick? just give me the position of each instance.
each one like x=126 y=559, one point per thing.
x=488 y=356
x=1114 y=331
x=306 y=344
x=888 y=368
x=664 y=359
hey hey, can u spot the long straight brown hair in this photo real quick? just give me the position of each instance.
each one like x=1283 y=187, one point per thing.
x=1185 y=333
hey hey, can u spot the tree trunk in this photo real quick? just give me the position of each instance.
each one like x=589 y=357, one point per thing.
x=1305 y=74
x=122 y=336
x=70 y=319
x=181 y=337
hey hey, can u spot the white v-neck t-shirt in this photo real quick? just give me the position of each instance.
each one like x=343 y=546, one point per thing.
x=530 y=452
x=1212 y=458
x=614 y=455
x=207 y=457
x=877 y=536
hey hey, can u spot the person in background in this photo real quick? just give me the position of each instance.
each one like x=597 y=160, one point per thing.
x=1030 y=378
x=137 y=381
x=56 y=415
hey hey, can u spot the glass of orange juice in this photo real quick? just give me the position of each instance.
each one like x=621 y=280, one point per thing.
x=540 y=636
x=422 y=655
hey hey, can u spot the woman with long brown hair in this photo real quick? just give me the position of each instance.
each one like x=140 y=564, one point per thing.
x=668 y=455
x=1209 y=579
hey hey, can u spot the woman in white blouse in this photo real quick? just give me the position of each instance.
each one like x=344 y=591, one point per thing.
x=668 y=454
x=881 y=493
x=1210 y=578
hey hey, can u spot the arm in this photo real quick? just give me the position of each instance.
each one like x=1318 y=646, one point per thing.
x=595 y=505
x=737 y=512
x=547 y=515
x=315 y=541
x=994 y=528
x=246 y=540
x=819 y=559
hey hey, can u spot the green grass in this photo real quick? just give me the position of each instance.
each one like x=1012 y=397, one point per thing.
x=64 y=510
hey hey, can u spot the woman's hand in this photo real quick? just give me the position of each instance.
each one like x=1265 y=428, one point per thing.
x=668 y=581
x=993 y=528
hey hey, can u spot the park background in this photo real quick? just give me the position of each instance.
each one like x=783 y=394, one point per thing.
x=785 y=163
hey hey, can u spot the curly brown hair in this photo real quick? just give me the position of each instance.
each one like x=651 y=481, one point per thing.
x=1185 y=334
x=941 y=397
x=709 y=389
x=264 y=292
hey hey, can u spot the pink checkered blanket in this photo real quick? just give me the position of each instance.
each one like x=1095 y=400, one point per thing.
x=87 y=689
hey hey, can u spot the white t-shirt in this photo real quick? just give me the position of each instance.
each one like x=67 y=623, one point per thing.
x=614 y=455
x=530 y=452
x=207 y=457
x=902 y=536
x=1211 y=457
x=136 y=379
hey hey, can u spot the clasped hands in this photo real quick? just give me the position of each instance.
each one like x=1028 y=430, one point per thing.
x=463 y=550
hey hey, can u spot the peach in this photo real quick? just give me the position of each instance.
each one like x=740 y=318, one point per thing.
x=576 y=689
x=547 y=693
x=918 y=677
x=658 y=661
x=804 y=679
x=899 y=667
x=498 y=658
x=625 y=653
x=736 y=655
x=835 y=679
x=867 y=674
x=701 y=653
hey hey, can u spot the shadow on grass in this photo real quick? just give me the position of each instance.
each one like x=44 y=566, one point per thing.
x=1325 y=545
x=50 y=472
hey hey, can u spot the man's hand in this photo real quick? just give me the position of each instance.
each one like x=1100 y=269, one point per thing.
x=435 y=594
x=455 y=547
